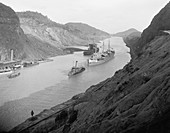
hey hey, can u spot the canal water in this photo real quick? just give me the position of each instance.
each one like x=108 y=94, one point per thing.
x=47 y=84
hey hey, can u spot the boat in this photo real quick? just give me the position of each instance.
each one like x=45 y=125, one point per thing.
x=91 y=50
x=17 y=67
x=100 y=58
x=14 y=74
x=5 y=71
x=29 y=64
x=76 y=70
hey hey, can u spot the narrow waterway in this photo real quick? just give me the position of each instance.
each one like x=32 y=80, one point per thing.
x=46 y=85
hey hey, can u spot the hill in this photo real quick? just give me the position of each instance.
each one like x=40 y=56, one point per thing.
x=86 y=31
x=127 y=33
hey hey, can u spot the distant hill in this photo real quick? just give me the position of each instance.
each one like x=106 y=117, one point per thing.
x=127 y=33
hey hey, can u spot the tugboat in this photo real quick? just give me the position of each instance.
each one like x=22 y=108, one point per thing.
x=76 y=70
x=91 y=50
x=14 y=74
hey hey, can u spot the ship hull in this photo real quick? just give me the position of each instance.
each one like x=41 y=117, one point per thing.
x=77 y=72
x=106 y=59
x=5 y=72
x=13 y=75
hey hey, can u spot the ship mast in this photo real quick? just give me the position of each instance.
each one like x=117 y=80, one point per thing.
x=103 y=47
x=109 y=45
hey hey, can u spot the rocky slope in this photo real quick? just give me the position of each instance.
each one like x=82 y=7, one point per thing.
x=135 y=100
x=13 y=37
x=159 y=23
x=58 y=35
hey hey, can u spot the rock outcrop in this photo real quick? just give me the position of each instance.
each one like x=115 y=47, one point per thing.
x=135 y=100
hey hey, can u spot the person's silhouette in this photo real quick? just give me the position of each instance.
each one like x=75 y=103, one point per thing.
x=32 y=113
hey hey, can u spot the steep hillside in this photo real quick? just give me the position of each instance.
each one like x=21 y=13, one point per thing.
x=58 y=35
x=135 y=100
x=159 y=23
x=127 y=33
x=10 y=33
x=13 y=37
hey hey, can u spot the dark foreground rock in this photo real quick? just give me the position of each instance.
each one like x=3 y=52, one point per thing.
x=135 y=100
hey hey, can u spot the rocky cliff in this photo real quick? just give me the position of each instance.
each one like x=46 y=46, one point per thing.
x=13 y=37
x=10 y=33
x=135 y=100
x=159 y=23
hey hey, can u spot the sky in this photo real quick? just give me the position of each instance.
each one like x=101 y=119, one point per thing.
x=111 y=16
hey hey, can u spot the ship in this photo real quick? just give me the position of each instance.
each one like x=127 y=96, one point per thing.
x=7 y=67
x=91 y=49
x=76 y=70
x=5 y=71
x=100 y=58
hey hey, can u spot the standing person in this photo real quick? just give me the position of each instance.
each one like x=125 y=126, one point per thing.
x=32 y=113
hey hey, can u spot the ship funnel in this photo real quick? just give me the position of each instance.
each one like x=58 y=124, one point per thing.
x=12 y=55
x=76 y=64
